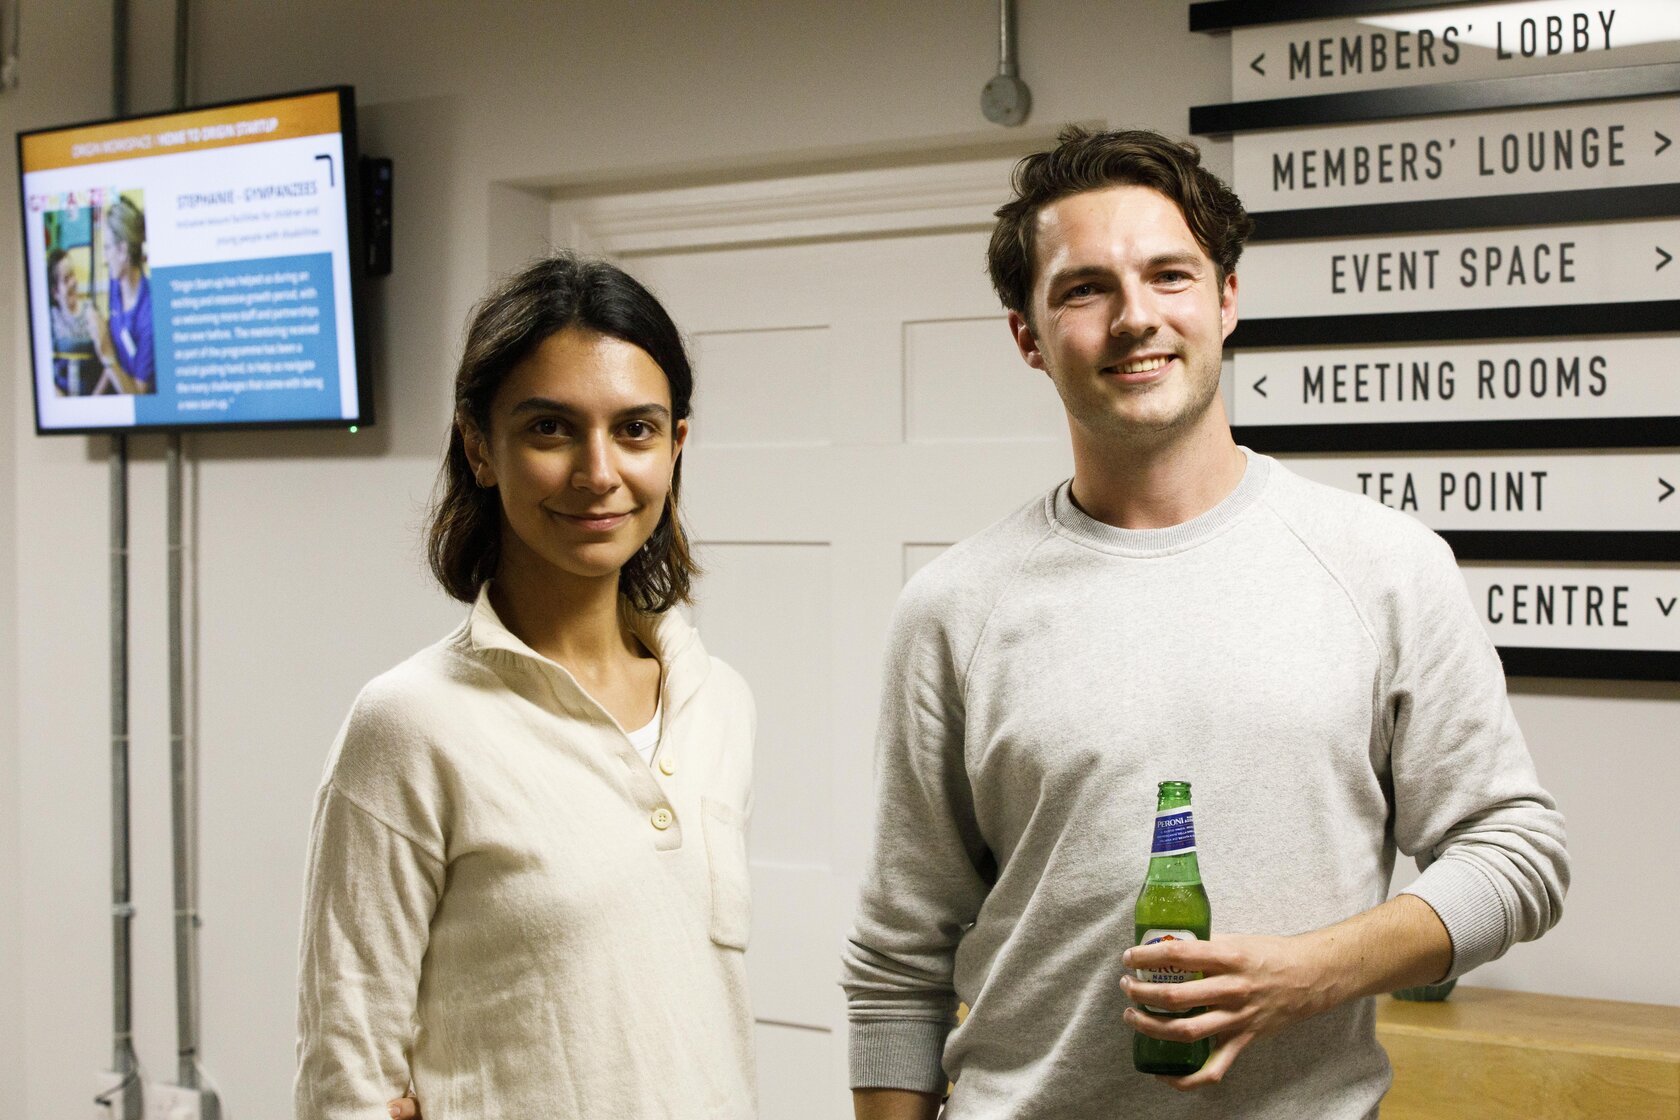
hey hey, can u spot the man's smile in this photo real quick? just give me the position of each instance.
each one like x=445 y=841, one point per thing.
x=1138 y=369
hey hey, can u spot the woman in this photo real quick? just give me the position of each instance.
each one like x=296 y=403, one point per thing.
x=123 y=336
x=527 y=884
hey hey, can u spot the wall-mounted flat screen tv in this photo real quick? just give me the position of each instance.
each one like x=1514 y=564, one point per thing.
x=196 y=270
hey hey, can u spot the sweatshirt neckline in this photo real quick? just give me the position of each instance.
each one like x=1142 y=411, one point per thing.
x=1074 y=523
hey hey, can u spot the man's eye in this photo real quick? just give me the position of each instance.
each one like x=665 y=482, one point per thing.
x=1080 y=291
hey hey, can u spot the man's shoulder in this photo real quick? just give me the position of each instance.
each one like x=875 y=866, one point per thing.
x=978 y=567
x=1391 y=566
x=953 y=594
x=1347 y=527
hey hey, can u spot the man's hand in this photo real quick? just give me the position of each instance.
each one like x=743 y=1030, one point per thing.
x=404 y=1107
x=1254 y=986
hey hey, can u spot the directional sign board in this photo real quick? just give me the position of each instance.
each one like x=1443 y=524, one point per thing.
x=1399 y=49
x=1599 y=611
x=1460 y=284
x=1585 y=492
x=1570 y=147
x=1582 y=392
x=1612 y=262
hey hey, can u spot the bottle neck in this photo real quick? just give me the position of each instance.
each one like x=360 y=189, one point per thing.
x=1174 y=829
x=1175 y=869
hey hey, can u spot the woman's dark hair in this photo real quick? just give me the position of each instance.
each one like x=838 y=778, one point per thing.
x=1089 y=161
x=55 y=258
x=464 y=542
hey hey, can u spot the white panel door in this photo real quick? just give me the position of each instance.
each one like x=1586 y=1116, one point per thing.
x=859 y=406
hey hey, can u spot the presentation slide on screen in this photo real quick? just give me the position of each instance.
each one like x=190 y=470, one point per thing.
x=192 y=268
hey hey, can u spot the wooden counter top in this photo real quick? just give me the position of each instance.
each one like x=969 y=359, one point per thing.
x=1498 y=1055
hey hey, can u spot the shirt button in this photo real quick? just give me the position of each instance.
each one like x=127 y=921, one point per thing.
x=662 y=818
x=667 y=766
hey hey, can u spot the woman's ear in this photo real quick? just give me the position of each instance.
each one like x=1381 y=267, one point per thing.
x=477 y=449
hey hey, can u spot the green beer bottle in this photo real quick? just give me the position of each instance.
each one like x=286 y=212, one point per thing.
x=1172 y=905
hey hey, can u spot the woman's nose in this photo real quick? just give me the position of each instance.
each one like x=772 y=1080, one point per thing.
x=597 y=473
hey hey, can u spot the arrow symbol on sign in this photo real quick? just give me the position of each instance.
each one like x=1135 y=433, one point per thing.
x=1667 y=490
x=1255 y=65
x=1665 y=258
x=1668 y=606
x=1665 y=143
x=1262 y=392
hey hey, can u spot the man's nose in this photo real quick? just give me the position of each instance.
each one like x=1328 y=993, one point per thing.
x=1136 y=314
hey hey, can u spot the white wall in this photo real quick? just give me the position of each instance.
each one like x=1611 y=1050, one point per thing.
x=308 y=572
x=11 y=991
x=51 y=856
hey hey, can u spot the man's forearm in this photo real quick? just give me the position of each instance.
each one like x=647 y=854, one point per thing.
x=1399 y=944
x=894 y=1104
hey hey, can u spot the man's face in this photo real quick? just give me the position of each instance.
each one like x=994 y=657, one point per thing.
x=1129 y=317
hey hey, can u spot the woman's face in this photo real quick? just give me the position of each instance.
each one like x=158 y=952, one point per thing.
x=116 y=253
x=581 y=447
x=64 y=286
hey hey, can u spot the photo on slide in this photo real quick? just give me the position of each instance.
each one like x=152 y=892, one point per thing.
x=69 y=236
x=99 y=295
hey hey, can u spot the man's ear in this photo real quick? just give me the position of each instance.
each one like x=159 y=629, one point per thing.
x=1228 y=305
x=1025 y=340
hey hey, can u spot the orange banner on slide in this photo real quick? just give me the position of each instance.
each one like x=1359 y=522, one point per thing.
x=253 y=122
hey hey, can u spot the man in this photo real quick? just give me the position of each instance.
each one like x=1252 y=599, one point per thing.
x=1181 y=609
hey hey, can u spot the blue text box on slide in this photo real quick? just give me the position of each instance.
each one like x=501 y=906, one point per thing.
x=245 y=341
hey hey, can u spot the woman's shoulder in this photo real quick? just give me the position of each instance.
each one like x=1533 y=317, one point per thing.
x=400 y=711
x=421 y=681
x=727 y=681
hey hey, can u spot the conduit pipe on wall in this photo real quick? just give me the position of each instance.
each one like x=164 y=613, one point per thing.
x=1006 y=100
x=127 y=1095
x=182 y=764
x=183 y=807
x=180 y=787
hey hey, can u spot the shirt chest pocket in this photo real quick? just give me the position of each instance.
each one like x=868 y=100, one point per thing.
x=726 y=857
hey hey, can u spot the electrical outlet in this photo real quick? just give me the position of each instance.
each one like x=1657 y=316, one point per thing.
x=108 y=1093
x=171 y=1102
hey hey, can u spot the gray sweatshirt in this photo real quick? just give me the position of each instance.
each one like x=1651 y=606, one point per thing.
x=1308 y=659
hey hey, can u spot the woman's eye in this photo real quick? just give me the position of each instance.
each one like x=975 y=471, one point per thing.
x=638 y=429
x=546 y=427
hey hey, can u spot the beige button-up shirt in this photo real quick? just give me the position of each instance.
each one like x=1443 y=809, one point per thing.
x=506 y=905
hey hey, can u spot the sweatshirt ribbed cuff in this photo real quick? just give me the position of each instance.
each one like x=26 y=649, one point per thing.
x=1468 y=903
x=898 y=1054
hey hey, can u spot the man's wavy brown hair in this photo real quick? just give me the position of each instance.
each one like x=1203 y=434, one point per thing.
x=1089 y=161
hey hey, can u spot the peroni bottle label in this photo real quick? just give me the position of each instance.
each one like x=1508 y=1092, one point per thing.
x=1175 y=833
x=1164 y=975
